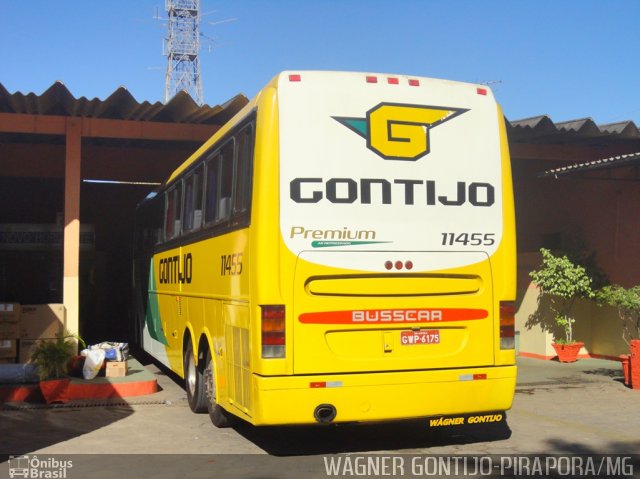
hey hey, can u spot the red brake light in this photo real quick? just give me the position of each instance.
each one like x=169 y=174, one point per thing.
x=273 y=331
x=295 y=78
x=507 y=324
x=414 y=82
x=372 y=79
x=481 y=91
x=393 y=81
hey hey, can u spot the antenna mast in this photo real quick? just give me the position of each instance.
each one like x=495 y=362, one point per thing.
x=183 y=48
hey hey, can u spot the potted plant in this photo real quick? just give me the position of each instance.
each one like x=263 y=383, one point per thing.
x=52 y=360
x=565 y=282
x=627 y=302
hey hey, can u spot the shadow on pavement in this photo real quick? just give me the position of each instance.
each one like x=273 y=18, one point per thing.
x=27 y=429
x=352 y=438
x=560 y=446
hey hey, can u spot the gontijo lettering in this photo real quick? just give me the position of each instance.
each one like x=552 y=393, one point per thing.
x=368 y=191
x=173 y=271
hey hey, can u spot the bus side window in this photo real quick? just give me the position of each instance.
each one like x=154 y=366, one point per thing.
x=193 y=201
x=173 y=212
x=226 y=181
x=198 y=193
x=211 y=188
x=242 y=194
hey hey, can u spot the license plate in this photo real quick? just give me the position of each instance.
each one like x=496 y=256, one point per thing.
x=431 y=336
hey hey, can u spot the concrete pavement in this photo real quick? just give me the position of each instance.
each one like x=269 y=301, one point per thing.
x=580 y=407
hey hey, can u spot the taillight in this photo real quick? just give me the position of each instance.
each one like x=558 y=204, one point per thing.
x=273 y=331
x=507 y=325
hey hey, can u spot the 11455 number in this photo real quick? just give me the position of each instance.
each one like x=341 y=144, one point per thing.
x=468 y=239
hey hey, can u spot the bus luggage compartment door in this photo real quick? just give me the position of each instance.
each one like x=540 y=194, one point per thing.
x=426 y=318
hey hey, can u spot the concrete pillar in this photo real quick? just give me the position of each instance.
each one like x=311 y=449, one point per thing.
x=72 y=179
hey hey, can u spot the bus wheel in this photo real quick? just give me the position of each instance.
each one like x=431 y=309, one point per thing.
x=194 y=382
x=219 y=417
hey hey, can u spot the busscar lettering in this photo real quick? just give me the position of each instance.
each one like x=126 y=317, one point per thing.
x=396 y=315
x=380 y=191
x=173 y=271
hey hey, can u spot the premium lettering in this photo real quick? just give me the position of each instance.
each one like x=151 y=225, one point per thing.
x=334 y=234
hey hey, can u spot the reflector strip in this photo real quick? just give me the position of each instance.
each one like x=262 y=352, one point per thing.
x=472 y=377
x=378 y=316
x=325 y=384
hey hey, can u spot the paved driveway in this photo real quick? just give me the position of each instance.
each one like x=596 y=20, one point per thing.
x=558 y=409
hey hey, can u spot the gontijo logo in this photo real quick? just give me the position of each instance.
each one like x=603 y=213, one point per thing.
x=397 y=131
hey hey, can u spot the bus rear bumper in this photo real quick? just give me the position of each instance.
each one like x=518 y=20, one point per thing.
x=382 y=396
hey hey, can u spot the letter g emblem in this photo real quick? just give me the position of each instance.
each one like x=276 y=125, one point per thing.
x=401 y=132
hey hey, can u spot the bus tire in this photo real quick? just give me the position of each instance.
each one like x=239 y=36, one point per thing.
x=194 y=381
x=219 y=417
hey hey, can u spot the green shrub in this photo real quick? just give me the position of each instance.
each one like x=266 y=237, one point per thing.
x=627 y=302
x=559 y=277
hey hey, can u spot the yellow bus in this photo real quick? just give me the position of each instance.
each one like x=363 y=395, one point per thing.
x=342 y=250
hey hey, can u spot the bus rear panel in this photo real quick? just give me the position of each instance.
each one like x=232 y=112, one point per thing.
x=396 y=252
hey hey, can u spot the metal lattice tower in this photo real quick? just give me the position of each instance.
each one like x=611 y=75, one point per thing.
x=183 y=48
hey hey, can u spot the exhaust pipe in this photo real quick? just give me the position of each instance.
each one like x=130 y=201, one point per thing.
x=325 y=413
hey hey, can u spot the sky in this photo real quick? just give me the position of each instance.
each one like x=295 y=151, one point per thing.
x=568 y=59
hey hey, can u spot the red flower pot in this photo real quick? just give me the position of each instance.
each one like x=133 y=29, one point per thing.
x=625 y=360
x=567 y=353
x=55 y=390
x=634 y=364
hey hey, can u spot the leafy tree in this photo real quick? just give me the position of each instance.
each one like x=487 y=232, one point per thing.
x=559 y=277
x=627 y=302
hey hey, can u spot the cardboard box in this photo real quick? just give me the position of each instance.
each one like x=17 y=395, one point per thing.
x=39 y=321
x=116 y=369
x=9 y=330
x=10 y=312
x=8 y=348
x=25 y=350
x=26 y=345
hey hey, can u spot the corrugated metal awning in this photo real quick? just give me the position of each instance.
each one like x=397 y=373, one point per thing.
x=541 y=129
x=603 y=164
x=120 y=105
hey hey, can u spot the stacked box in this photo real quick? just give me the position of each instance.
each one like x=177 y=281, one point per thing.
x=10 y=314
x=42 y=321
x=8 y=348
x=26 y=345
